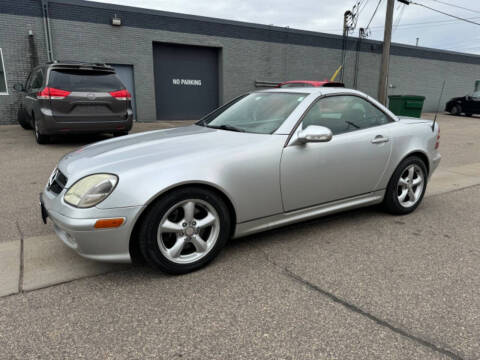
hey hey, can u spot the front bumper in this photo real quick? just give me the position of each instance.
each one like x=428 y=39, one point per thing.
x=75 y=227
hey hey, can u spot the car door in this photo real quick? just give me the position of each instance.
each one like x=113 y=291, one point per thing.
x=352 y=163
x=34 y=85
x=27 y=99
x=475 y=103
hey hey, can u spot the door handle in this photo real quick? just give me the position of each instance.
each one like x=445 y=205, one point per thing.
x=379 y=139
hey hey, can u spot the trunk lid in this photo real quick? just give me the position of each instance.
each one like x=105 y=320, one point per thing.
x=89 y=99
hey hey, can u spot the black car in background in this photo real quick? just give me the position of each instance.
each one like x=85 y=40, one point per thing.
x=72 y=98
x=468 y=105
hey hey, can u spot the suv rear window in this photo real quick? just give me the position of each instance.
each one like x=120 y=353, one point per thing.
x=78 y=80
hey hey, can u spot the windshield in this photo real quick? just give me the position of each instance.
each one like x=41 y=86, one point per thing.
x=260 y=113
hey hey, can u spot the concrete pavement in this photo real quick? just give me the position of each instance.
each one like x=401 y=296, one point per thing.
x=357 y=285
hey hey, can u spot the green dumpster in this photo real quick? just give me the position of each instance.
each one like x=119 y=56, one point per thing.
x=406 y=105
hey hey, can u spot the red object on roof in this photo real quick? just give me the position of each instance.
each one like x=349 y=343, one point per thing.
x=310 y=83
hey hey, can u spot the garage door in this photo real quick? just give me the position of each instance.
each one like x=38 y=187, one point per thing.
x=125 y=73
x=186 y=81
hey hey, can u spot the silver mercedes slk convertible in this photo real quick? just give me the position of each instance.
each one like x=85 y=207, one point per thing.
x=269 y=158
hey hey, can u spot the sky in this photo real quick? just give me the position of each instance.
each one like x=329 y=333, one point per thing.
x=434 y=30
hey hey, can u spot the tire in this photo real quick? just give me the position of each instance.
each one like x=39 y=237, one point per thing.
x=23 y=119
x=402 y=195
x=179 y=246
x=40 y=138
x=456 y=110
x=120 y=133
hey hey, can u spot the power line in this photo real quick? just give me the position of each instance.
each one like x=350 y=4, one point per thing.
x=437 y=22
x=373 y=15
x=404 y=27
x=363 y=7
x=399 y=17
x=444 y=13
x=456 y=6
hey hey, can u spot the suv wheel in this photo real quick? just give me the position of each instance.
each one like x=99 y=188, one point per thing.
x=406 y=187
x=41 y=138
x=22 y=119
x=184 y=230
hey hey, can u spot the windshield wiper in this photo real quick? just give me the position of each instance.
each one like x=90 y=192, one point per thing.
x=226 y=127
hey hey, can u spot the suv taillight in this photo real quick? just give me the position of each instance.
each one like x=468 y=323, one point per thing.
x=121 y=94
x=437 y=144
x=52 y=94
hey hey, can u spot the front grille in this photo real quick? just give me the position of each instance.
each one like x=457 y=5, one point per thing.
x=57 y=182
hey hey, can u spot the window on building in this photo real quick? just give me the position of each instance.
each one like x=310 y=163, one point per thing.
x=3 y=76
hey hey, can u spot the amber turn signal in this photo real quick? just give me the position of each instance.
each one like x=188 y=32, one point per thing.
x=109 y=223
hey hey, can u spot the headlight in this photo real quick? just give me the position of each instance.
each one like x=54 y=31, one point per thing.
x=91 y=190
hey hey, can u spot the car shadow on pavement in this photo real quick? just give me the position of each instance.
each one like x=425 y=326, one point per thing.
x=78 y=140
x=260 y=243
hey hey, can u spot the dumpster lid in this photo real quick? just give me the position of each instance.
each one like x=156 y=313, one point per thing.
x=407 y=97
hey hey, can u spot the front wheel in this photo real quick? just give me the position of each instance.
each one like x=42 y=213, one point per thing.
x=184 y=230
x=406 y=187
x=23 y=119
x=40 y=138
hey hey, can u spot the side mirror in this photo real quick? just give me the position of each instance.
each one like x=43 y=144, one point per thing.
x=19 y=87
x=314 y=133
x=467 y=97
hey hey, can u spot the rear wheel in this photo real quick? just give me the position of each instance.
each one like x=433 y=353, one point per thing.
x=39 y=137
x=22 y=119
x=456 y=110
x=184 y=230
x=406 y=187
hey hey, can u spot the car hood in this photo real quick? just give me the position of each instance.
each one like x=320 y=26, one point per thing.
x=457 y=98
x=132 y=151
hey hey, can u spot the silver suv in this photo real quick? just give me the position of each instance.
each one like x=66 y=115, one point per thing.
x=73 y=98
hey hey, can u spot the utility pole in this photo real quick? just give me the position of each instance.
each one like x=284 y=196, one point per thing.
x=387 y=39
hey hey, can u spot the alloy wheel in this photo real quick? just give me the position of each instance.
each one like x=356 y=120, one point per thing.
x=410 y=186
x=188 y=231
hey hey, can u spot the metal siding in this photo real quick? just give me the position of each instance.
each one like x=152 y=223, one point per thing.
x=125 y=73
